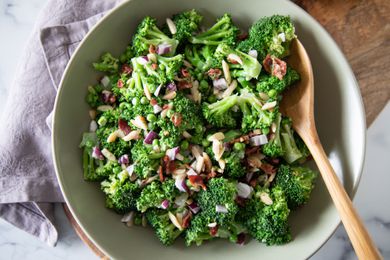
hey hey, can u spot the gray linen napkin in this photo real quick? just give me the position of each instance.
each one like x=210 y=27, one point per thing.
x=28 y=186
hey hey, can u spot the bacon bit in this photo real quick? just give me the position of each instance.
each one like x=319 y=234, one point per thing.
x=251 y=150
x=241 y=139
x=214 y=231
x=176 y=119
x=124 y=126
x=152 y=49
x=184 y=85
x=275 y=161
x=242 y=36
x=214 y=73
x=160 y=173
x=240 y=201
x=254 y=161
x=186 y=220
x=170 y=167
x=154 y=66
x=268 y=168
x=126 y=69
x=153 y=102
x=276 y=67
x=112 y=99
x=185 y=73
x=211 y=174
x=197 y=181
x=253 y=182
x=267 y=63
x=120 y=83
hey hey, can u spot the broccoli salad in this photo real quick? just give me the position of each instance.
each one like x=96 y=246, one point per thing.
x=186 y=135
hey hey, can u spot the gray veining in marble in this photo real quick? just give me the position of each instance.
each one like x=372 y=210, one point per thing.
x=16 y=22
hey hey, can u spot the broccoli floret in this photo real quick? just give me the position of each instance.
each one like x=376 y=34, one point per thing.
x=248 y=66
x=234 y=167
x=297 y=183
x=107 y=63
x=223 y=31
x=170 y=135
x=165 y=230
x=291 y=151
x=107 y=169
x=198 y=231
x=270 y=35
x=121 y=194
x=149 y=34
x=202 y=57
x=253 y=117
x=119 y=147
x=89 y=141
x=93 y=97
x=146 y=161
x=267 y=223
x=273 y=86
x=186 y=24
x=274 y=147
x=189 y=111
x=127 y=55
x=220 y=192
x=170 y=66
x=220 y=114
x=156 y=192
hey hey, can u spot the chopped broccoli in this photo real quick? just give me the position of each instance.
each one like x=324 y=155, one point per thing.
x=170 y=65
x=291 y=151
x=156 y=192
x=149 y=34
x=274 y=147
x=220 y=113
x=270 y=35
x=127 y=55
x=202 y=57
x=248 y=66
x=234 y=167
x=107 y=63
x=273 y=86
x=198 y=231
x=89 y=141
x=119 y=147
x=302 y=147
x=186 y=24
x=267 y=223
x=165 y=230
x=223 y=31
x=297 y=183
x=107 y=169
x=93 y=97
x=146 y=161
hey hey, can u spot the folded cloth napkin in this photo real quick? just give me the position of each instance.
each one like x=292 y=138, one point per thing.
x=28 y=185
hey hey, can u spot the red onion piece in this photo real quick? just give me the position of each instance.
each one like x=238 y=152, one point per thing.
x=194 y=207
x=241 y=239
x=258 y=140
x=172 y=86
x=253 y=53
x=244 y=190
x=165 y=204
x=181 y=185
x=96 y=153
x=220 y=84
x=221 y=209
x=163 y=48
x=130 y=169
x=143 y=60
x=157 y=109
x=150 y=137
x=124 y=126
x=124 y=159
x=171 y=153
x=249 y=176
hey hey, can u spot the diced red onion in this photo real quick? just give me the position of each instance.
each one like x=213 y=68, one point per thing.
x=220 y=84
x=227 y=146
x=258 y=140
x=124 y=159
x=181 y=185
x=171 y=153
x=244 y=190
x=130 y=169
x=221 y=209
x=241 y=239
x=124 y=126
x=180 y=200
x=163 y=48
x=194 y=207
x=96 y=153
x=150 y=137
x=157 y=92
x=143 y=60
x=249 y=176
x=106 y=96
x=191 y=172
x=165 y=204
x=172 y=86
x=253 y=53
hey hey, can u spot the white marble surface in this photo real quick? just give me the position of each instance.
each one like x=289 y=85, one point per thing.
x=16 y=22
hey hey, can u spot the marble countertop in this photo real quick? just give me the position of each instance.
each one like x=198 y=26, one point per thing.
x=16 y=21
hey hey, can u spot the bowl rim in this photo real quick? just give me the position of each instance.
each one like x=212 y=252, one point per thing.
x=356 y=92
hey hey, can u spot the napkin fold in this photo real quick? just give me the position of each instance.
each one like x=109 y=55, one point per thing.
x=28 y=185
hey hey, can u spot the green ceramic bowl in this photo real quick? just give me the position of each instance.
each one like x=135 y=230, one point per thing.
x=339 y=116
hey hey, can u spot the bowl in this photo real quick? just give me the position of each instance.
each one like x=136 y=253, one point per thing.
x=338 y=111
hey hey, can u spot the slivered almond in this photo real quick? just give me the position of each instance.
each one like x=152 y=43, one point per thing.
x=133 y=135
x=174 y=220
x=269 y=105
x=218 y=136
x=218 y=149
x=108 y=155
x=263 y=96
x=170 y=95
x=112 y=137
x=207 y=162
x=254 y=161
x=230 y=89
x=222 y=164
x=257 y=132
x=152 y=57
x=199 y=164
x=147 y=92
x=234 y=58
x=179 y=157
x=92 y=114
x=195 y=150
x=273 y=127
x=265 y=198
x=140 y=122
x=196 y=96
x=104 y=108
x=180 y=171
x=164 y=113
x=226 y=72
x=171 y=26
x=186 y=135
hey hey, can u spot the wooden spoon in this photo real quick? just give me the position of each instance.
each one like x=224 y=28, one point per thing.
x=298 y=104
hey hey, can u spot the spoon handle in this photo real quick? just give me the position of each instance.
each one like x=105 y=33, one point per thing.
x=360 y=239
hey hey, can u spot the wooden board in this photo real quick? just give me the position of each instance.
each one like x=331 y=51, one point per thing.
x=362 y=30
